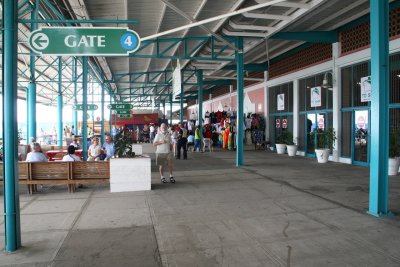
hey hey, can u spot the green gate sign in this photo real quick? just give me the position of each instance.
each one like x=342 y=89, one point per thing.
x=124 y=112
x=84 y=41
x=120 y=106
x=125 y=116
x=89 y=107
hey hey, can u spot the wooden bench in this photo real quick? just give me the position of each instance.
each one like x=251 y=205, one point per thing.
x=49 y=173
x=57 y=173
x=83 y=172
x=23 y=174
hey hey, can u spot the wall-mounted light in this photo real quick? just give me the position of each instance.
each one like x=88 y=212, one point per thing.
x=325 y=81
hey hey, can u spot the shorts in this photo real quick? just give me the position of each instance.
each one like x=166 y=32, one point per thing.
x=163 y=158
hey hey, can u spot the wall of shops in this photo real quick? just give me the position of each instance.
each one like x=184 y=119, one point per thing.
x=254 y=96
x=344 y=64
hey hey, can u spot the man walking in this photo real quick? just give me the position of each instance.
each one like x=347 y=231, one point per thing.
x=163 y=144
x=182 y=142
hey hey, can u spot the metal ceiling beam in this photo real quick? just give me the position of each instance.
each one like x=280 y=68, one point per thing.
x=227 y=15
x=288 y=4
x=188 y=52
x=266 y=16
x=249 y=67
x=250 y=27
x=311 y=36
x=245 y=34
x=192 y=20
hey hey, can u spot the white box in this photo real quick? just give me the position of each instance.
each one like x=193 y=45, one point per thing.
x=130 y=174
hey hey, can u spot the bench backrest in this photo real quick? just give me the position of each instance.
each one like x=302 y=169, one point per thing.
x=90 y=170
x=50 y=170
x=23 y=170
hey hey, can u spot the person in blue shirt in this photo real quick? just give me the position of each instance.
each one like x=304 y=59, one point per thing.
x=190 y=141
x=108 y=148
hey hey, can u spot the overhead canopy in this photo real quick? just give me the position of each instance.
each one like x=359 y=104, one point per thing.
x=262 y=29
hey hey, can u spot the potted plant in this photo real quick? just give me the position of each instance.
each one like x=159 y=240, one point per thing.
x=394 y=153
x=291 y=144
x=281 y=142
x=324 y=142
x=123 y=145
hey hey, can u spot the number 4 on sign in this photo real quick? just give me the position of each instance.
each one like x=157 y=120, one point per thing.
x=128 y=40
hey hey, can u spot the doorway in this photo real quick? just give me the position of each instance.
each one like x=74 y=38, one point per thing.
x=361 y=137
x=314 y=121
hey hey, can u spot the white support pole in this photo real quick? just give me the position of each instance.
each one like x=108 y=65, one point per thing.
x=296 y=110
x=336 y=103
x=266 y=106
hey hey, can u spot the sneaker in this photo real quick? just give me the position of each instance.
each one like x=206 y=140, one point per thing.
x=163 y=180
x=172 y=179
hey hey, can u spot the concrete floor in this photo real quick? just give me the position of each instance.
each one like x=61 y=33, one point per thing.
x=276 y=211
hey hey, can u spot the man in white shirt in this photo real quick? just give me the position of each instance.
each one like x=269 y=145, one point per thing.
x=163 y=144
x=36 y=155
x=71 y=155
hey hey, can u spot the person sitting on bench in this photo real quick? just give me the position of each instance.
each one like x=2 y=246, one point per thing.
x=71 y=155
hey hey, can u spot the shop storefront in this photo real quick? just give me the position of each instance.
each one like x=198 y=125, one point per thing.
x=281 y=110
x=315 y=110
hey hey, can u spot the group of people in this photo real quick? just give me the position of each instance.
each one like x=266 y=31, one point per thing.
x=146 y=135
x=95 y=151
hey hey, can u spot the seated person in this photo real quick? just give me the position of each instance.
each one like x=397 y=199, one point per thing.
x=108 y=148
x=36 y=155
x=71 y=155
x=190 y=141
x=75 y=143
x=94 y=150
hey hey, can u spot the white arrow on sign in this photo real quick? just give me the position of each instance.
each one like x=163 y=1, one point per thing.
x=40 y=41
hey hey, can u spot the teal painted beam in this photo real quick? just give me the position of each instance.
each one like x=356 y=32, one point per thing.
x=12 y=222
x=70 y=21
x=379 y=188
x=200 y=102
x=31 y=101
x=249 y=67
x=170 y=109
x=240 y=104
x=102 y=114
x=311 y=36
x=75 y=74
x=60 y=131
x=84 y=108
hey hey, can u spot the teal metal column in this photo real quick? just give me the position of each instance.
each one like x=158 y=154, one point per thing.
x=60 y=105
x=240 y=100
x=75 y=77
x=31 y=101
x=110 y=114
x=84 y=106
x=378 y=194
x=10 y=147
x=170 y=109
x=181 y=104
x=200 y=101
x=102 y=114
x=164 y=109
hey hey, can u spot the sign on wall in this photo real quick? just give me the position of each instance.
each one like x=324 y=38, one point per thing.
x=366 y=89
x=316 y=96
x=284 y=123
x=278 y=123
x=280 y=100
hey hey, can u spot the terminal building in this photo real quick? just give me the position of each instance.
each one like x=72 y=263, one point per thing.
x=255 y=77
